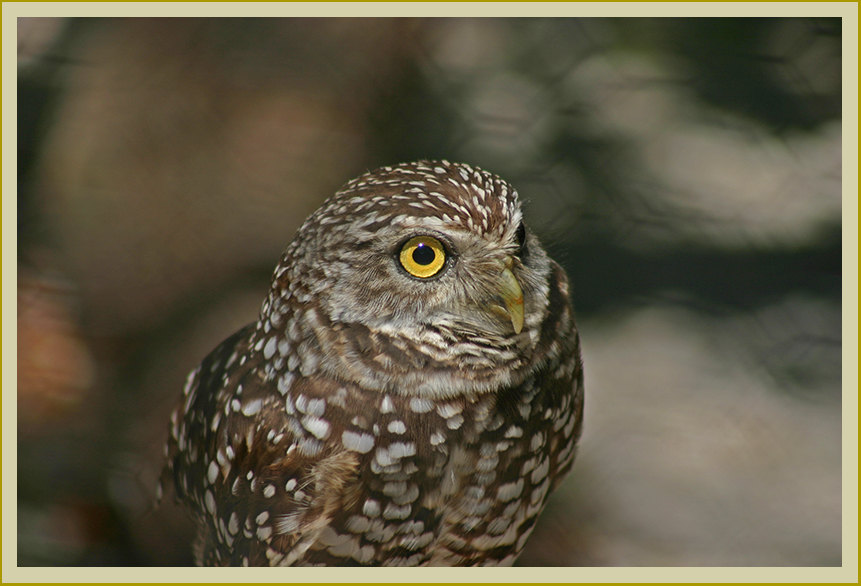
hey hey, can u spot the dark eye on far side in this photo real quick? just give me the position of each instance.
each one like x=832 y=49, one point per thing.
x=520 y=238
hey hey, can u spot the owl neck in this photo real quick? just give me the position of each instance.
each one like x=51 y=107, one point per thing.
x=421 y=361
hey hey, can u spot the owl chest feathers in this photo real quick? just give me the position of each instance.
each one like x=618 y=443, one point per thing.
x=442 y=481
x=455 y=479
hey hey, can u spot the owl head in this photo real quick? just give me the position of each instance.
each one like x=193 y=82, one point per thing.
x=423 y=274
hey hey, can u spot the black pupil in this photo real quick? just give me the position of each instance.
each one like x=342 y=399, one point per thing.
x=424 y=254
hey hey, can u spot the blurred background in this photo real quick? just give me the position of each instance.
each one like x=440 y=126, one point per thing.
x=686 y=172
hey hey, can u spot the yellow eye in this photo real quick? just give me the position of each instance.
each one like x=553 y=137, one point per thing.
x=423 y=256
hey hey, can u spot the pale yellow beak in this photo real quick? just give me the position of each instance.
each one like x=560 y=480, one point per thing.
x=512 y=297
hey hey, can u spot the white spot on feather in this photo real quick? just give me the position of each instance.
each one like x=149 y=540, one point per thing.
x=317 y=427
x=371 y=508
x=509 y=491
x=269 y=349
x=419 y=405
x=252 y=407
x=397 y=426
x=212 y=473
x=357 y=442
x=210 y=502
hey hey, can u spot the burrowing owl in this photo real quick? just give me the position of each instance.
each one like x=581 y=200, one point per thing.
x=410 y=394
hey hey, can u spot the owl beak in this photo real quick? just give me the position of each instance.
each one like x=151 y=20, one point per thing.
x=512 y=297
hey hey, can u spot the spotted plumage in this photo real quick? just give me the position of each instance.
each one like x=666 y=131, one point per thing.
x=410 y=394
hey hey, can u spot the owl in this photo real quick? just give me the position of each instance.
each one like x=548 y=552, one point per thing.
x=410 y=394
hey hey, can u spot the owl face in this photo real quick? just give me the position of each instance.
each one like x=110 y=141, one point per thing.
x=424 y=267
